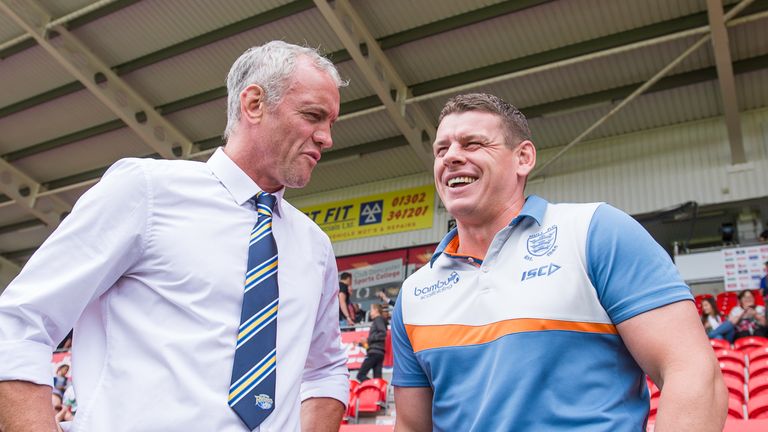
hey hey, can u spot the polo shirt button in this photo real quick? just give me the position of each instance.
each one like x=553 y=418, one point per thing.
x=485 y=269
x=470 y=259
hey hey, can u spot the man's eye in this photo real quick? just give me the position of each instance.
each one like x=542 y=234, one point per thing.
x=440 y=151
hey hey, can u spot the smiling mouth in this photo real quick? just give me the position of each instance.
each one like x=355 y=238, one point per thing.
x=460 y=181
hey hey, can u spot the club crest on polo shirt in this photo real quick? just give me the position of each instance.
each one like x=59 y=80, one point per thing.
x=438 y=287
x=263 y=401
x=543 y=242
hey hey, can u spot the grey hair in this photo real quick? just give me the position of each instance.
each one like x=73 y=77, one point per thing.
x=270 y=66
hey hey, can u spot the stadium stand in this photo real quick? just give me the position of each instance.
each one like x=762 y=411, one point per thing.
x=699 y=298
x=370 y=397
x=758 y=407
x=747 y=343
x=757 y=354
x=731 y=356
x=758 y=386
x=720 y=344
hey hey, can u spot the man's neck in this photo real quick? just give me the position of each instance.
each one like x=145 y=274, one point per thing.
x=475 y=237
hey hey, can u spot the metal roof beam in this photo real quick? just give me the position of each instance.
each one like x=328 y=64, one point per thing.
x=386 y=42
x=550 y=108
x=636 y=93
x=71 y=21
x=112 y=91
x=381 y=75
x=725 y=78
x=168 y=52
x=657 y=33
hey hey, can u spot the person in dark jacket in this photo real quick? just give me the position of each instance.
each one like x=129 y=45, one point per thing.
x=374 y=357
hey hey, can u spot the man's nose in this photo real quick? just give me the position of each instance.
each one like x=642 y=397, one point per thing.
x=323 y=138
x=453 y=155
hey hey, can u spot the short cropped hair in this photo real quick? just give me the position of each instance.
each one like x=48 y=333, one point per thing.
x=512 y=119
x=270 y=66
x=345 y=275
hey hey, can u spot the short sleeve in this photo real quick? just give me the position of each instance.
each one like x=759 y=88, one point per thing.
x=407 y=370
x=630 y=271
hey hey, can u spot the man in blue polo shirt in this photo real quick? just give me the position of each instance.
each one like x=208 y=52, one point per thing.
x=534 y=316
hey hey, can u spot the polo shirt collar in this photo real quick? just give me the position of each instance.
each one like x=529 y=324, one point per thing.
x=534 y=208
x=239 y=185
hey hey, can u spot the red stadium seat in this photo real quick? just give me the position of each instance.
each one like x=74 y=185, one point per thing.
x=757 y=354
x=758 y=407
x=730 y=356
x=735 y=409
x=735 y=387
x=758 y=368
x=371 y=396
x=747 y=343
x=653 y=389
x=720 y=344
x=350 y=413
x=700 y=298
x=758 y=386
x=654 y=407
x=759 y=300
x=726 y=301
x=730 y=369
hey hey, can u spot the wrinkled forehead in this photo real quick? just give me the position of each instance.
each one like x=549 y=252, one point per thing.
x=469 y=124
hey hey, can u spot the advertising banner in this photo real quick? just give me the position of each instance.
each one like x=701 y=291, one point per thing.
x=373 y=215
x=744 y=267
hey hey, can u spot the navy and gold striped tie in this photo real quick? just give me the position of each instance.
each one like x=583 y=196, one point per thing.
x=252 y=392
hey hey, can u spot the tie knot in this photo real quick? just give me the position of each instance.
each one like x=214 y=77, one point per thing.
x=265 y=199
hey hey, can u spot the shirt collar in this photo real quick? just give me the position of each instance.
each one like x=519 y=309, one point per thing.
x=236 y=181
x=534 y=208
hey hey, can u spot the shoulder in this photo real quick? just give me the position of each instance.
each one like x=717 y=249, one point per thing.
x=298 y=218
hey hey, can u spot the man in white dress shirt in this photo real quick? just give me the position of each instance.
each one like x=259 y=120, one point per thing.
x=149 y=270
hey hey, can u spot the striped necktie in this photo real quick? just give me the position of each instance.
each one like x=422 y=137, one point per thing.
x=252 y=392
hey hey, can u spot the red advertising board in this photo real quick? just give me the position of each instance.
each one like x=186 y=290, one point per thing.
x=356 y=353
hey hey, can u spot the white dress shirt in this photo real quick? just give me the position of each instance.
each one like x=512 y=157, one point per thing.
x=149 y=269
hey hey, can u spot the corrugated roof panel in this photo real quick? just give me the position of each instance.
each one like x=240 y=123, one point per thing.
x=202 y=121
x=146 y=27
x=24 y=239
x=358 y=86
x=363 y=129
x=11 y=213
x=647 y=111
x=393 y=16
x=749 y=40
x=206 y=68
x=527 y=32
x=86 y=155
x=9 y=29
x=29 y=73
x=368 y=168
x=51 y=120
x=752 y=90
x=55 y=9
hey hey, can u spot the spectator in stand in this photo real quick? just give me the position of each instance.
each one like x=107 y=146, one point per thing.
x=764 y=281
x=383 y=297
x=345 y=291
x=747 y=318
x=56 y=400
x=374 y=356
x=60 y=381
x=713 y=323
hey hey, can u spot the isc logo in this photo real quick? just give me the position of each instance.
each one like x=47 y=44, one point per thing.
x=544 y=270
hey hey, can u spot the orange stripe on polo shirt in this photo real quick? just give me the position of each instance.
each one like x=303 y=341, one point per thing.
x=425 y=337
x=452 y=249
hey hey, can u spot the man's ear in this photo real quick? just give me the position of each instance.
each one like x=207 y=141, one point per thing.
x=526 y=157
x=253 y=104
